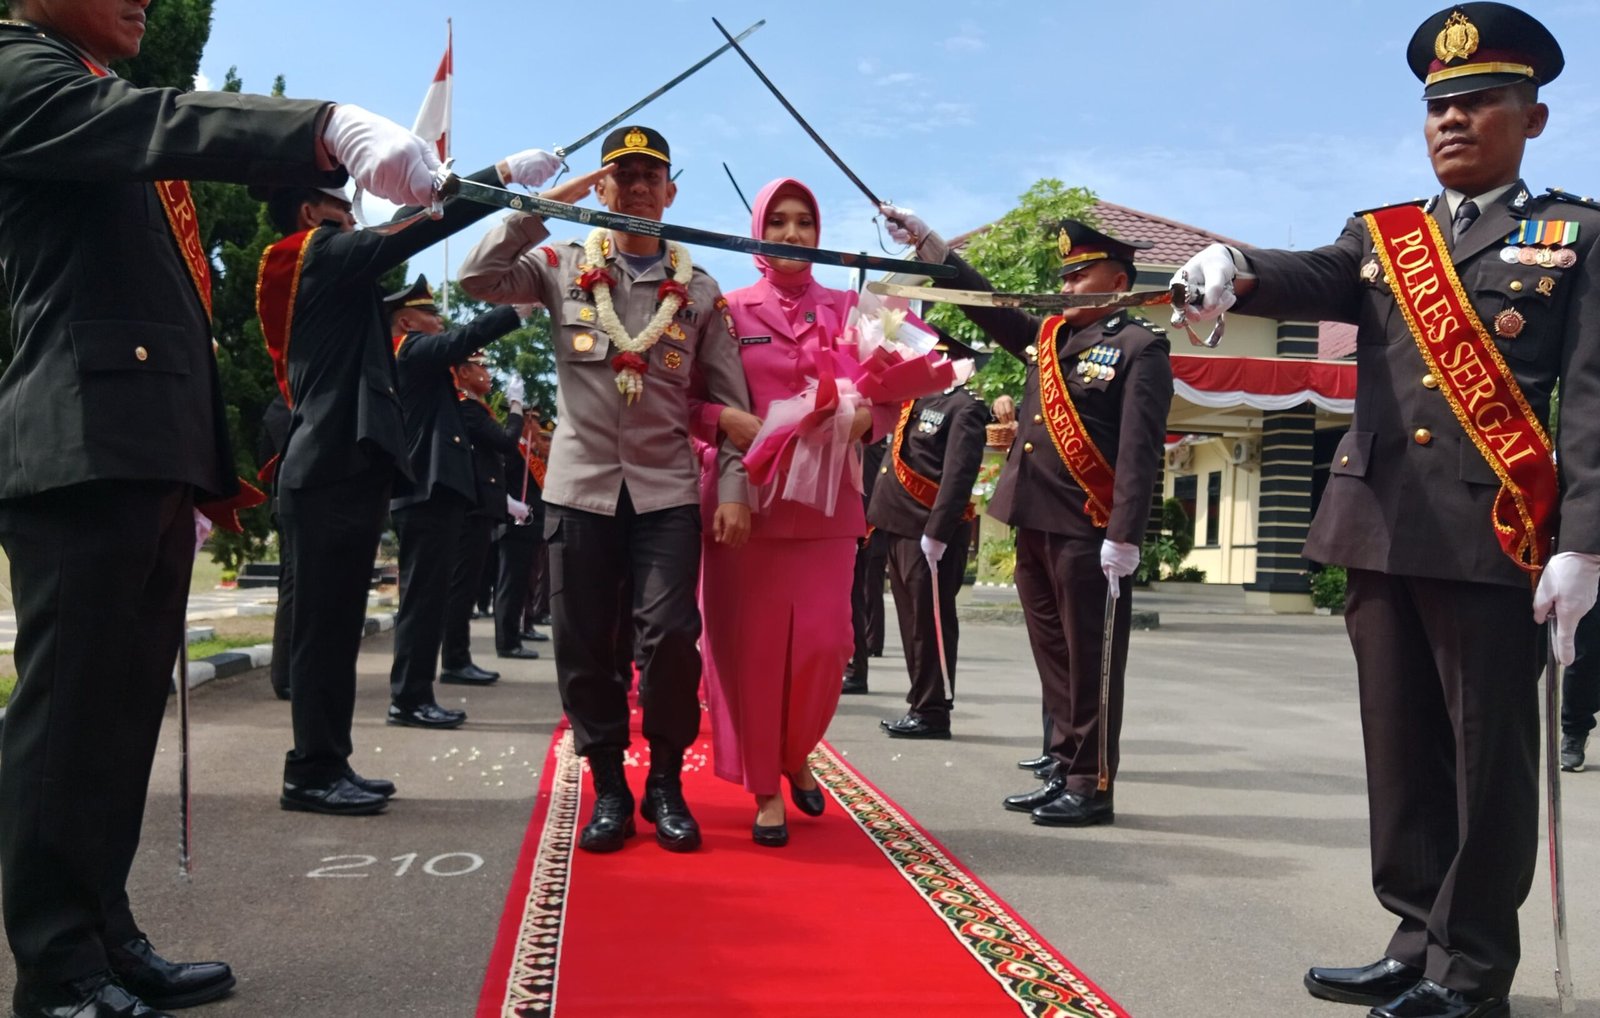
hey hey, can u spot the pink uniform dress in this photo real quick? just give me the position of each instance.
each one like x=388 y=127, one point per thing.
x=777 y=610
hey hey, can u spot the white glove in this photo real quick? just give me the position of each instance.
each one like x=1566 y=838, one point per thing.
x=525 y=311
x=903 y=225
x=932 y=550
x=1116 y=561
x=518 y=510
x=1211 y=272
x=516 y=389
x=1567 y=591
x=384 y=157
x=532 y=167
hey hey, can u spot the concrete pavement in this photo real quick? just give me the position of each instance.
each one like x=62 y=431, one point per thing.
x=1239 y=856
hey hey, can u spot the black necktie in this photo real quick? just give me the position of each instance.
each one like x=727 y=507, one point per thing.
x=1466 y=215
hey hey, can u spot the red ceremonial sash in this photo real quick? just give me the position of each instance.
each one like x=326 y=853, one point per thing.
x=1077 y=450
x=1474 y=378
x=538 y=468
x=178 y=204
x=917 y=486
x=277 y=286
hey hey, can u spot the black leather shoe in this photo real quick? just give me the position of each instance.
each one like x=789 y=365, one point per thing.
x=165 y=984
x=95 y=997
x=519 y=654
x=1428 y=999
x=468 y=675
x=1036 y=763
x=809 y=801
x=342 y=798
x=611 y=822
x=1074 y=810
x=534 y=636
x=917 y=726
x=853 y=685
x=664 y=805
x=1378 y=983
x=771 y=837
x=1027 y=802
x=1572 y=747
x=1043 y=773
x=429 y=715
x=377 y=786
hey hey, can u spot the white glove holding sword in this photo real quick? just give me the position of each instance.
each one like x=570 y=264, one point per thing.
x=382 y=156
x=905 y=227
x=1567 y=589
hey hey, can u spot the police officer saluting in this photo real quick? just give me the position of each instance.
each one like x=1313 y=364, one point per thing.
x=922 y=503
x=633 y=321
x=1077 y=485
x=1470 y=308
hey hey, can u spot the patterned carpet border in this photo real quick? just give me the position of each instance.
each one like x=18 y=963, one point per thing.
x=536 y=954
x=1024 y=964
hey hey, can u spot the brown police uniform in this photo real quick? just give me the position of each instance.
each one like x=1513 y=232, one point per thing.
x=940 y=440
x=1440 y=619
x=622 y=492
x=1119 y=378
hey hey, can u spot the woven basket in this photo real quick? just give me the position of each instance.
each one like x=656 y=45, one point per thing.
x=1000 y=436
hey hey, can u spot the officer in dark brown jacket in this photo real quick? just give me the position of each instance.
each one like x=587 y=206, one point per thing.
x=1442 y=620
x=922 y=503
x=1118 y=383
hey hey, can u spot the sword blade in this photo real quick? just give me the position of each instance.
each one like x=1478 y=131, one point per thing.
x=1026 y=301
x=938 y=627
x=536 y=205
x=1104 y=722
x=1552 y=767
x=566 y=150
x=185 y=803
x=829 y=152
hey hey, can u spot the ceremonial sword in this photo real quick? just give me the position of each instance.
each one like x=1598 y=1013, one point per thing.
x=1104 y=780
x=539 y=206
x=1552 y=761
x=562 y=151
x=185 y=804
x=1173 y=295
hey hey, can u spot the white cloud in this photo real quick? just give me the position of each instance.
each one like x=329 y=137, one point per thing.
x=969 y=41
x=897 y=78
x=867 y=65
x=201 y=82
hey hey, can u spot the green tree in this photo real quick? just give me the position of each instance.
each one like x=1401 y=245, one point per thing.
x=1016 y=253
x=526 y=352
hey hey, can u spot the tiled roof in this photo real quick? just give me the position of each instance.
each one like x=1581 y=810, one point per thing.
x=1175 y=242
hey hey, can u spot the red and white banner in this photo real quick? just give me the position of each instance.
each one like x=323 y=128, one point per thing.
x=1264 y=383
x=433 y=120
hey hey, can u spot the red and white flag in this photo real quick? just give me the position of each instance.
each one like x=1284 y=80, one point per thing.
x=433 y=120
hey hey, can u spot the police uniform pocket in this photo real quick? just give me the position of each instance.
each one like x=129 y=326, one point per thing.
x=142 y=347
x=670 y=361
x=1516 y=309
x=1474 y=468
x=1350 y=459
x=581 y=337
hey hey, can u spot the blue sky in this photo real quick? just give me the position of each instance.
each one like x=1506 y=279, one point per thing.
x=1264 y=120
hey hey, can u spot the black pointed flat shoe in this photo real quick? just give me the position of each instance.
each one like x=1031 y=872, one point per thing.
x=770 y=837
x=809 y=801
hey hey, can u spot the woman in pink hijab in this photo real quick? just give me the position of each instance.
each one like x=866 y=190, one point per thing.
x=777 y=610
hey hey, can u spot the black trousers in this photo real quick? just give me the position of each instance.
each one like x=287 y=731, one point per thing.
x=538 y=583
x=866 y=602
x=99 y=577
x=1063 y=594
x=466 y=582
x=912 y=583
x=282 y=622
x=430 y=540
x=519 y=546
x=1448 y=673
x=1580 y=681
x=330 y=539
x=593 y=559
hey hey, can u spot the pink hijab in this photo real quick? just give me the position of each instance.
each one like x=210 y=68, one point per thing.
x=789 y=287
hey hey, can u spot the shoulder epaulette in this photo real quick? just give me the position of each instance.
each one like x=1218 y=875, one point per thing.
x=1392 y=205
x=1559 y=195
x=550 y=256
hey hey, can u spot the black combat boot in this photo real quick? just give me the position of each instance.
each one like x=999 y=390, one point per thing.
x=611 y=823
x=663 y=803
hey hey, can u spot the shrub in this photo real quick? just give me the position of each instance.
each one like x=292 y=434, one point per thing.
x=1166 y=551
x=1188 y=574
x=1327 y=587
x=997 y=559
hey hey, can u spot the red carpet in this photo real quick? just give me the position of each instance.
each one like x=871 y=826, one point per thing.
x=862 y=913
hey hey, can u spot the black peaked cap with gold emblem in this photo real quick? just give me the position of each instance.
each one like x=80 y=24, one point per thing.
x=635 y=141
x=1081 y=246
x=1472 y=47
x=417 y=295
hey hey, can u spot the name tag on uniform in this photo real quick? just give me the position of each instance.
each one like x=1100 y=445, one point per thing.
x=754 y=340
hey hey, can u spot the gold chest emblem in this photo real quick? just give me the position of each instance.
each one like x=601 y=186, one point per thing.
x=586 y=314
x=583 y=342
x=674 y=360
x=1458 y=40
x=1546 y=287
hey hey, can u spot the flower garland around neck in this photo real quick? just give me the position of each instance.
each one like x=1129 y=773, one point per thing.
x=630 y=365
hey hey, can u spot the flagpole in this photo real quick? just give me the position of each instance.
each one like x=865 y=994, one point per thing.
x=449 y=112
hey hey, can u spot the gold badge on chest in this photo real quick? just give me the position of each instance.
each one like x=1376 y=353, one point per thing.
x=586 y=314
x=673 y=360
x=583 y=342
x=1509 y=323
